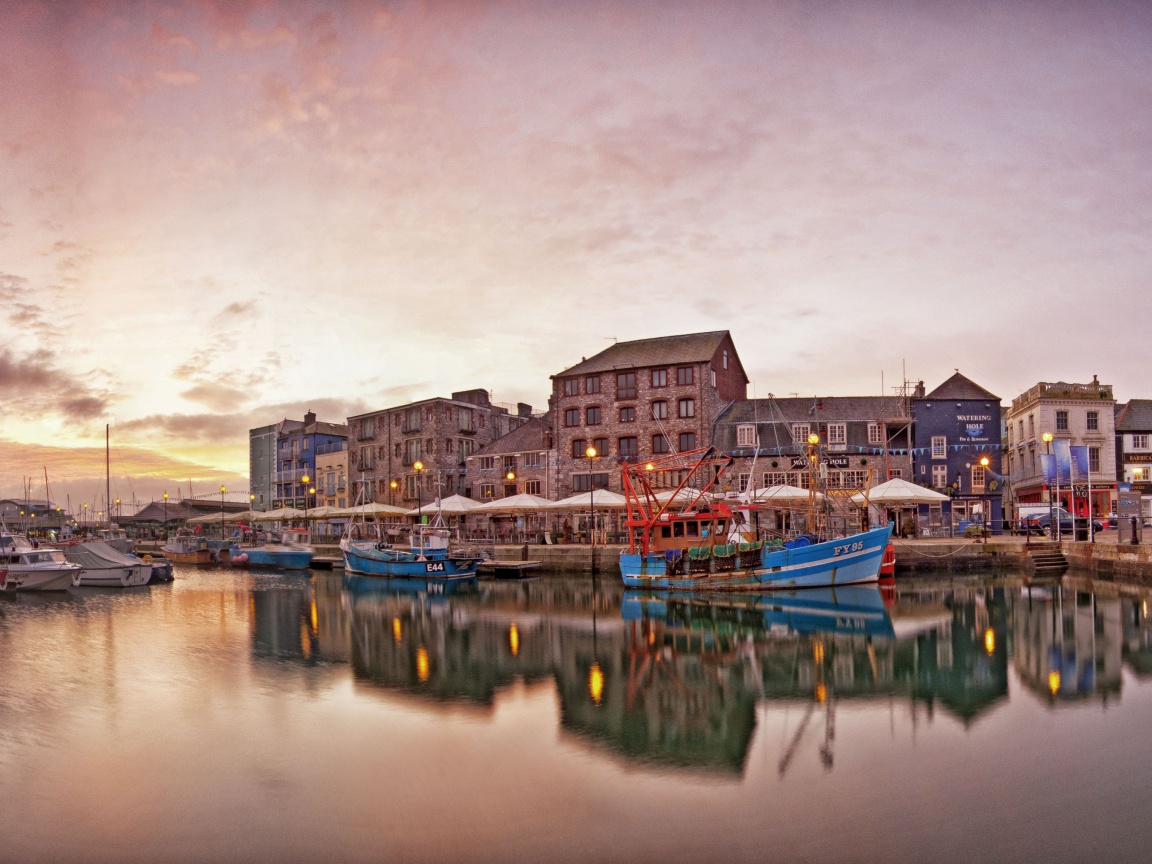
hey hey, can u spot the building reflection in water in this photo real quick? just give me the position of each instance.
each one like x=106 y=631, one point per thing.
x=677 y=680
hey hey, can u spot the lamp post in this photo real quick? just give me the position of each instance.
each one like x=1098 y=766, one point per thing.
x=1052 y=531
x=418 y=466
x=591 y=454
x=984 y=463
x=392 y=486
x=117 y=510
x=84 y=519
x=165 y=515
x=222 y=491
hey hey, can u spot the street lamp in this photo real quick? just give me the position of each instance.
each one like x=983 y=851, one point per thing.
x=222 y=491
x=591 y=454
x=117 y=510
x=311 y=491
x=418 y=466
x=1047 y=439
x=984 y=463
x=84 y=515
x=393 y=486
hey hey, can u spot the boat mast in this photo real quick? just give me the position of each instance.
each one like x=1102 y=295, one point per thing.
x=108 y=476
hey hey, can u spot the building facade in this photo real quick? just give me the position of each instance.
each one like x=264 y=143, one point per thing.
x=864 y=440
x=262 y=465
x=635 y=400
x=440 y=434
x=1081 y=414
x=957 y=444
x=331 y=482
x=297 y=445
x=1134 y=450
x=522 y=461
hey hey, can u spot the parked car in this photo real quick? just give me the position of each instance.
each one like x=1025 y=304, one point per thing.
x=1042 y=523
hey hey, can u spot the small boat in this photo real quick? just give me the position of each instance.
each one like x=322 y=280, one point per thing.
x=161 y=568
x=692 y=543
x=116 y=537
x=184 y=547
x=104 y=567
x=292 y=550
x=431 y=555
x=34 y=568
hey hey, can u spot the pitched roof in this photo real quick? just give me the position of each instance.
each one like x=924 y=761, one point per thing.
x=1135 y=416
x=525 y=438
x=959 y=387
x=809 y=409
x=664 y=350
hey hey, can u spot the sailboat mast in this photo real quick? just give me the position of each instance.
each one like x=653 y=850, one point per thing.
x=107 y=476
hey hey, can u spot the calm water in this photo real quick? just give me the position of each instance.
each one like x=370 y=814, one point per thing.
x=244 y=717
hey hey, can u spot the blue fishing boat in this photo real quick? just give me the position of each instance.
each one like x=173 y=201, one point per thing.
x=291 y=550
x=430 y=556
x=688 y=542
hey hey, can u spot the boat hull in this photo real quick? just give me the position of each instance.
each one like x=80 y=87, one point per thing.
x=113 y=577
x=367 y=560
x=287 y=559
x=43 y=580
x=845 y=561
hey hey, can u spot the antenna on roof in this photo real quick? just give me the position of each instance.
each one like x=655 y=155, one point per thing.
x=613 y=338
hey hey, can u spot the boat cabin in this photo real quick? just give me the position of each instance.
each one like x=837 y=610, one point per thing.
x=690 y=528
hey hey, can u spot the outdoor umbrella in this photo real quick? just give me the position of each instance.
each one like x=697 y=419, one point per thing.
x=600 y=498
x=372 y=509
x=779 y=495
x=514 y=504
x=898 y=491
x=284 y=514
x=453 y=505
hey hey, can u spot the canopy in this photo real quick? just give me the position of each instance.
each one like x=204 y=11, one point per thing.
x=686 y=495
x=284 y=514
x=899 y=491
x=214 y=518
x=513 y=504
x=779 y=495
x=371 y=509
x=597 y=498
x=321 y=513
x=453 y=505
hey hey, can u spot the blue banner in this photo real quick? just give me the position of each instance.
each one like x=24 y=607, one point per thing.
x=1061 y=449
x=1048 y=467
x=1079 y=453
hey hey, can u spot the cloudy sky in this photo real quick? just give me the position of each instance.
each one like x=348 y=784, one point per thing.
x=214 y=215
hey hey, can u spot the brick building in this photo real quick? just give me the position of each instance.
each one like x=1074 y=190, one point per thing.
x=1134 y=449
x=524 y=460
x=297 y=444
x=638 y=399
x=863 y=439
x=384 y=446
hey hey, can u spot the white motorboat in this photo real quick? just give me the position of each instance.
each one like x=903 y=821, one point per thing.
x=103 y=566
x=32 y=568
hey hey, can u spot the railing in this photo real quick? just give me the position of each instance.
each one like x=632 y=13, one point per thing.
x=1061 y=389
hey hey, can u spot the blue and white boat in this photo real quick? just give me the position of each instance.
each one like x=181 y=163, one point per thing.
x=291 y=551
x=691 y=543
x=430 y=556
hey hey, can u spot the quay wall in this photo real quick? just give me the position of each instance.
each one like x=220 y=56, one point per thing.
x=1111 y=559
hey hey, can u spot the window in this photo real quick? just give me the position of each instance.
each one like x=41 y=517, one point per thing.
x=895 y=473
x=628 y=415
x=625 y=385
x=1139 y=442
x=534 y=460
x=1094 y=459
x=509 y=490
x=744 y=478
x=725 y=358
x=413 y=450
x=875 y=433
x=659 y=377
x=571 y=386
x=308 y=443
x=593 y=415
x=1061 y=421
x=487 y=490
x=687 y=441
x=939 y=476
x=687 y=408
x=659 y=444
x=467 y=447
x=1031 y=426
x=579 y=446
x=837 y=435
x=775 y=478
x=685 y=375
x=510 y=463
x=939 y=450
x=592 y=384
x=1092 y=424
x=601 y=445
x=532 y=487
x=629 y=448
x=367 y=429
x=660 y=410
x=712 y=372
x=411 y=420
x=587 y=482
x=800 y=432
x=977 y=479
x=853 y=479
x=572 y=417
x=746 y=435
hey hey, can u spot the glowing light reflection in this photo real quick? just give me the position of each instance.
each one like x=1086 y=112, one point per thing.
x=596 y=683
x=422 y=664
x=989 y=641
x=514 y=639
x=1054 y=682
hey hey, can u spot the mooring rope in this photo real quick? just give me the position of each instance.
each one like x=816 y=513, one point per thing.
x=902 y=545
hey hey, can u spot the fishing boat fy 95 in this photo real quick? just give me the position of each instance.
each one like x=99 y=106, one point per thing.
x=689 y=541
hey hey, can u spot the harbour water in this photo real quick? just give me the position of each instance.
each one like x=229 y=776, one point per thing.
x=238 y=716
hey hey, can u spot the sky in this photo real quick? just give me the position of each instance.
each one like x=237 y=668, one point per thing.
x=214 y=215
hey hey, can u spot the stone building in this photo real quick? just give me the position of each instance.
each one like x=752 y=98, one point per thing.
x=1081 y=414
x=864 y=440
x=639 y=399
x=331 y=481
x=384 y=446
x=524 y=460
